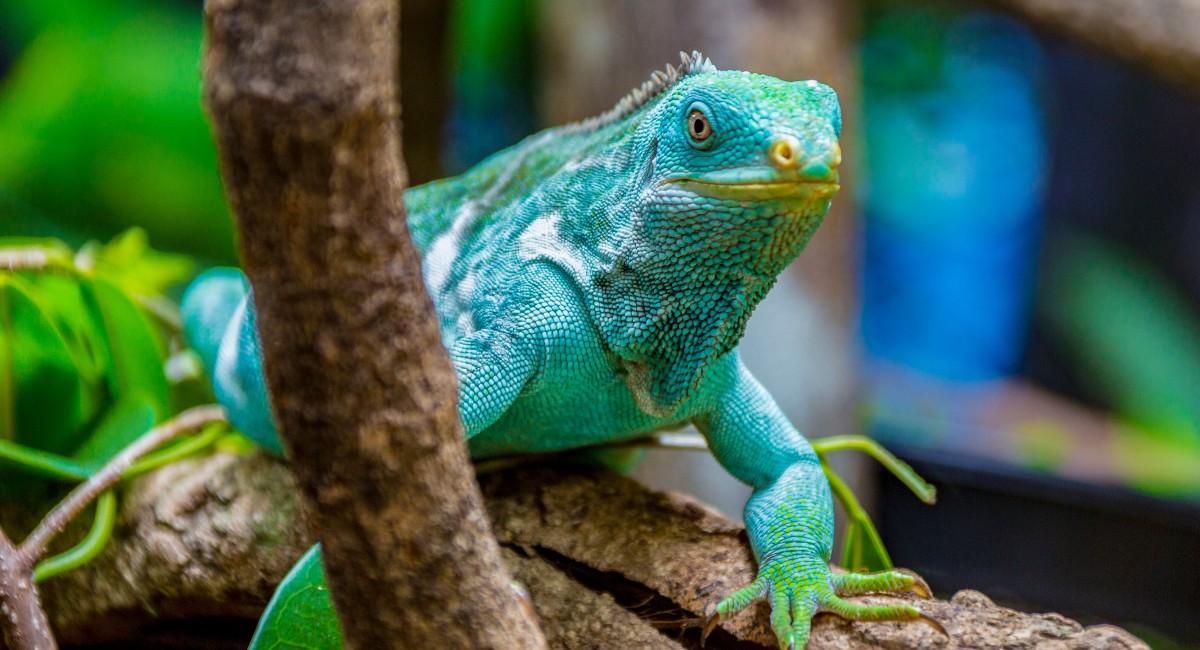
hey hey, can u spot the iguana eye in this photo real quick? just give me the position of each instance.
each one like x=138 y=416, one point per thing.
x=698 y=126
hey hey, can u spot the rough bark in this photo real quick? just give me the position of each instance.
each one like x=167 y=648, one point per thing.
x=608 y=563
x=1159 y=36
x=303 y=102
x=24 y=623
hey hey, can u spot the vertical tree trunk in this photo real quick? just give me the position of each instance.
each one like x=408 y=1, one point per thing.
x=303 y=101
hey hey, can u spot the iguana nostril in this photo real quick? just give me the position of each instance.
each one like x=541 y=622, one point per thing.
x=784 y=153
x=824 y=166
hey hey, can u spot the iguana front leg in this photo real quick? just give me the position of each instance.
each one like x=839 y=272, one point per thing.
x=790 y=515
x=493 y=367
x=219 y=321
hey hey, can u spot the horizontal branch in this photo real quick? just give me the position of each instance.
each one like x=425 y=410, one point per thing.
x=608 y=563
x=1159 y=36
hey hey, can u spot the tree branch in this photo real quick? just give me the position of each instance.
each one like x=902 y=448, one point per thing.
x=22 y=618
x=608 y=563
x=1160 y=36
x=302 y=98
x=21 y=615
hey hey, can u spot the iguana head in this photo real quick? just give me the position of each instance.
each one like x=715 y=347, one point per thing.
x=745 y=162
x=737 y=170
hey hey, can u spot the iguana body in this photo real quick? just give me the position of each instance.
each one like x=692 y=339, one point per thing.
x=592 y=282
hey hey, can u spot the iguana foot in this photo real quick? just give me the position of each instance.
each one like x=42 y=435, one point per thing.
x=796 y=596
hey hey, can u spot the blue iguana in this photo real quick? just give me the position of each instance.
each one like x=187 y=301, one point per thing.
x=592 y=283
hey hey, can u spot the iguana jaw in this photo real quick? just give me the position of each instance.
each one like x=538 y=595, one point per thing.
x=755 y=184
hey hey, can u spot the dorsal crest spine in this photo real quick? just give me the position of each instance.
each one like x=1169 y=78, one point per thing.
x=659 y=81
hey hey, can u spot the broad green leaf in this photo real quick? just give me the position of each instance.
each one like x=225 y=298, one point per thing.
x=300 y=614
x=130 y=417
x=60 y=297
x=136 y=350
x=863 y=549
x=45 y=408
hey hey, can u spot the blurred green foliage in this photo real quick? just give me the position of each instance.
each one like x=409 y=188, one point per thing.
x=101 y=125
x=1135 y=339
x=84 y=345
x=1132 y=332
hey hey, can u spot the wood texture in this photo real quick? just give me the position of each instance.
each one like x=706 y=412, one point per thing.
x=608 y=563
x=303 y=102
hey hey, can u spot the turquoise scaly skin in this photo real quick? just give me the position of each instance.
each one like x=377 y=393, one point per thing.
x=592 y=283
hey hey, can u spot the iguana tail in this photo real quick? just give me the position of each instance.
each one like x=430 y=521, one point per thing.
x=219 y=323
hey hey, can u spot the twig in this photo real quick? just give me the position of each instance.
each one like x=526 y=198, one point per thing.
x=924 y=491
x=35 y=545
x=17 y=259
x=22 y=618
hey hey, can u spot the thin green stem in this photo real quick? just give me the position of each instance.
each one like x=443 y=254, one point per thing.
x=858 y=516
x=924 y=491
x=45 y=463
x=90 y=547
x=185 y=448
x=193 y=419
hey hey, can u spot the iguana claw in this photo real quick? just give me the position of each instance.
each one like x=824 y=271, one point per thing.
x=919 y=587
x=713 y=620
x=932 y=622
x=794 y=603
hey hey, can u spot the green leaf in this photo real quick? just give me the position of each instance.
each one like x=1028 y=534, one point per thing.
x=300 y=614
x=126 y=421
x=42 y=391
x=35 y=462
x=129 y=263
x=1134 y=336
x=863 y=549
x=135 y=346
x=61 y=298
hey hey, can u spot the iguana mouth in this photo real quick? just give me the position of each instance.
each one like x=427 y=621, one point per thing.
x=752 y=190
